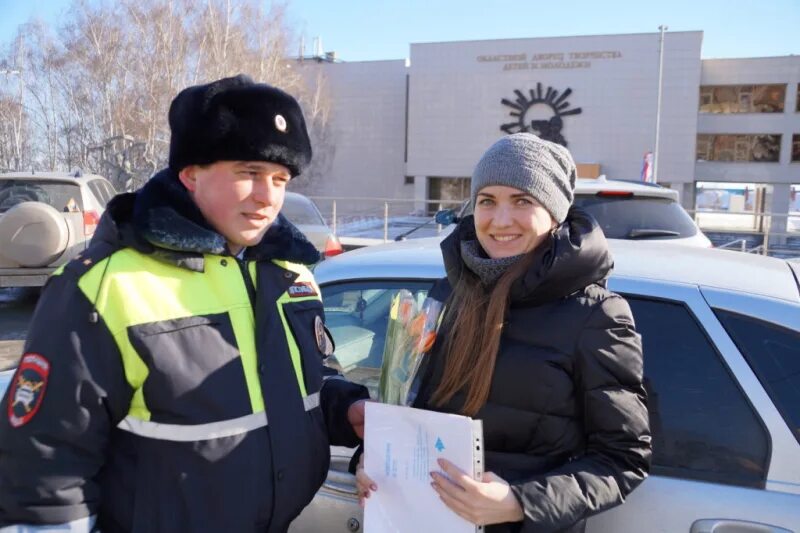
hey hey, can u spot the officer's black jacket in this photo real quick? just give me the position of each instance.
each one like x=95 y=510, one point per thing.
x=70 y=459
x=566 y=422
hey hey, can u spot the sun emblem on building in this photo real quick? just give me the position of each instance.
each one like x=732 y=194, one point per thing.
x=540 y=113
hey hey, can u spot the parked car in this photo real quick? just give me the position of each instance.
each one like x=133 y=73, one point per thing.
x=46 y=218
x=303 y=213
x=721 y=334
x=638 y=211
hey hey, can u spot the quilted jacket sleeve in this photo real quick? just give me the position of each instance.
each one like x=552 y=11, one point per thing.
x=53 y=448
x=337 y=396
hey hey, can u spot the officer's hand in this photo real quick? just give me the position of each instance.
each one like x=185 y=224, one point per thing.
x=364 y=484
x=355 y=415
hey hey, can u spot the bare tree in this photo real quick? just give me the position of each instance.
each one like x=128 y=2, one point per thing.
x=97 y=92
x=14 y=124
x=13 y=134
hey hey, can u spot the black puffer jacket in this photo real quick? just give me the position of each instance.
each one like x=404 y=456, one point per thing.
x=566 y=420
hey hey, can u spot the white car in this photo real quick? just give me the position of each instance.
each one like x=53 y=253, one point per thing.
x=638 y=211
x=46 y=218
x=721 y=337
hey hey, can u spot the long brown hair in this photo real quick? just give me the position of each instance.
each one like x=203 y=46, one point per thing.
x=474 y=319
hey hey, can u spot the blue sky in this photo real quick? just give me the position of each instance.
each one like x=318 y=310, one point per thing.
x=381 y=29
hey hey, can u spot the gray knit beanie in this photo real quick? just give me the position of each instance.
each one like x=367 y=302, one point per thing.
x=543 y=169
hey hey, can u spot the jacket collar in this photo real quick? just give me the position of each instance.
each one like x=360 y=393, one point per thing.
x=162 y=219
x=574 y=256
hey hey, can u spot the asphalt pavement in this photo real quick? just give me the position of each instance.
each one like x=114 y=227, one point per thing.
x=16 y=310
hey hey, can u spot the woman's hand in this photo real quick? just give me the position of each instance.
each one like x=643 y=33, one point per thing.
x=363 y=483
x=485 y=502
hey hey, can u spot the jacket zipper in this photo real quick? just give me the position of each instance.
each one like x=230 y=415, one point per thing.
x=248 y=281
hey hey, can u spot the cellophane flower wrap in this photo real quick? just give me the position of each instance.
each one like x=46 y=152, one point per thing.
x=410 y=335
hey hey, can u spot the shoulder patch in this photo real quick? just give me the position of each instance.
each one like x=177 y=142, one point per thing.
x=27 y=389
x=324 y=339
x=302 y=289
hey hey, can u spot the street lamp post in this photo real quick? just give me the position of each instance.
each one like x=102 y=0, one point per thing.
x=662 y=28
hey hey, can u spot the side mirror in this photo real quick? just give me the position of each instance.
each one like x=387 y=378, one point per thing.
x=445 y=217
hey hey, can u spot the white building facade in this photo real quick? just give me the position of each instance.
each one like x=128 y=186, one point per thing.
x=414 y=130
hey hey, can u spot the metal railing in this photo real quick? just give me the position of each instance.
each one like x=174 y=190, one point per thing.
x=731 y=244
x=380 y=219
x=742 y=247
x=761 y=226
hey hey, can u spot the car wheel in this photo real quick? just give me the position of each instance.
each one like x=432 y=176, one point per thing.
x=33 y=234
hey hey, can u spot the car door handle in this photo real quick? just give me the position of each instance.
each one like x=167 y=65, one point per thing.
x=723 y=525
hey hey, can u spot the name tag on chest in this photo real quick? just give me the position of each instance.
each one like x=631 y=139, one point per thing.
x=302 y=290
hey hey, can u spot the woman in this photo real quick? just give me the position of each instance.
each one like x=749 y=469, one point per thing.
x=534 y=345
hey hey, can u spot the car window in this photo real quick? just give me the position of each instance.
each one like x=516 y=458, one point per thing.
x=624 y=217
x=698 y=413
x=63 y=196
x=773 y=352
x=106 y=188
x=99 y=192
x=357 y=313
x=110 y=190
x=299 y=211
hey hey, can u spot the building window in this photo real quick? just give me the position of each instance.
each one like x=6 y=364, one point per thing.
x=760 y=148
x=797 y=105
x=409 y=180
x=795 y=148
x=742 y=98
x=447 y=193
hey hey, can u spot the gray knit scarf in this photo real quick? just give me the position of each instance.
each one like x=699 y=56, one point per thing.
x=487 y=269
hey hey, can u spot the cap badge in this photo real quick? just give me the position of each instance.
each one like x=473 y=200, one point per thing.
x=280 y=123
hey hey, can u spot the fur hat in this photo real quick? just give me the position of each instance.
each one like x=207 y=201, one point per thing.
x=543 y=169
x=237 y=119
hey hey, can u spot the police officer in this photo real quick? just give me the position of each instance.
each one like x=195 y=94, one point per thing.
x=172 y=379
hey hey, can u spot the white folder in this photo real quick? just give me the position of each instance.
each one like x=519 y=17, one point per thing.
x=401 y=446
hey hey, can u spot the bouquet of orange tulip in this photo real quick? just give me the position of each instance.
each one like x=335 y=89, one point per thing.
x=410 y=334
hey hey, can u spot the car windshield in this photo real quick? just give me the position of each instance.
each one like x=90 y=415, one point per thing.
x=300 y=211
x=63 y=196
x=634 y=217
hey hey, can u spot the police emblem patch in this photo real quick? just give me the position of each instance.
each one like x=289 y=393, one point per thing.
x=27 y=390
x=324 y=342
x=302 y=289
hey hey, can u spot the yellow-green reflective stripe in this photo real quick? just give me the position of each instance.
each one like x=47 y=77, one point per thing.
x=303 y=276
x=294 y=351
x=114 y=316
x=59 y=270
x=244 y=328
x=251 y=266
x=139 y=289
